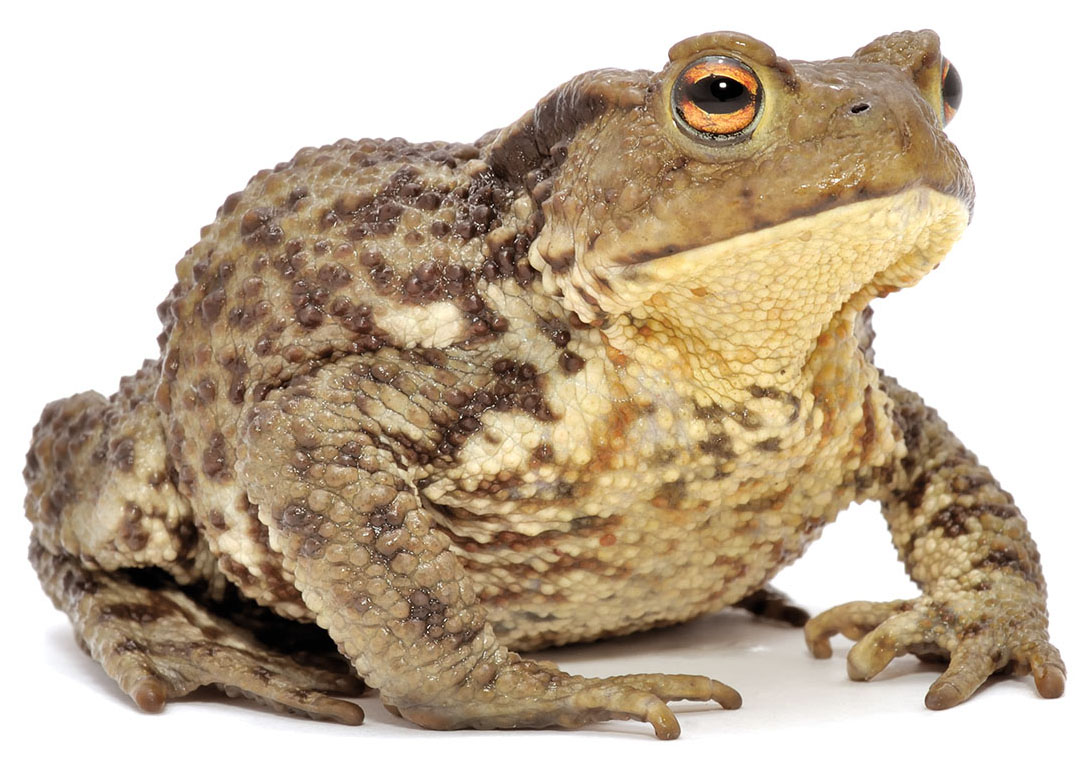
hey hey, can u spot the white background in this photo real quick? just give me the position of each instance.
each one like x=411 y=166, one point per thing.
x=123 y=129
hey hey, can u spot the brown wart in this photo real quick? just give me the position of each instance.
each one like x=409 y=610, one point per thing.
x=1015 y=559
x=954 y=519
x=214 y=464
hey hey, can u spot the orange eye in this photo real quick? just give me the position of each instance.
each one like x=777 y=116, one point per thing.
x=718 y=97
x=951 y=85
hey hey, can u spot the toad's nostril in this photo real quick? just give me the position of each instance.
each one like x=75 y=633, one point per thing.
x=856 y=109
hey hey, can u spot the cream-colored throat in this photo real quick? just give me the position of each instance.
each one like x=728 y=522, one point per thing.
x=758 y=302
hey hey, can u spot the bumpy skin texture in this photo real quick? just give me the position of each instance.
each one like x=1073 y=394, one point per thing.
x=589 y=375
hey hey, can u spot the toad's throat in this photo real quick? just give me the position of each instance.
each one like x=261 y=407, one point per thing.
x=768 y=295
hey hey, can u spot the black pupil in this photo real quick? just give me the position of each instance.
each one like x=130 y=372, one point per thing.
x=719 y=95
x=952 y=88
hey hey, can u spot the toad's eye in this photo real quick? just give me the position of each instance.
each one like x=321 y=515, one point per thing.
x=952 y=91
x=717 y=97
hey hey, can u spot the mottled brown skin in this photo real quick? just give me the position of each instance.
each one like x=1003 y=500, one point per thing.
x=589 y=375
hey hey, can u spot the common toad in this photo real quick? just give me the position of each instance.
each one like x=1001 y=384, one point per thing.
x=603 y=370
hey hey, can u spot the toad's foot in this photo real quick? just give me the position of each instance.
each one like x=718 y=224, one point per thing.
x=771 y=604
x=571 y=701
x=158 y=644
x=977 y=637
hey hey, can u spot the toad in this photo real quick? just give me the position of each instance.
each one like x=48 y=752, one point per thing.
x=606 y=369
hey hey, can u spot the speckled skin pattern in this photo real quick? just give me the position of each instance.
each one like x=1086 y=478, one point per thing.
x=586 y=376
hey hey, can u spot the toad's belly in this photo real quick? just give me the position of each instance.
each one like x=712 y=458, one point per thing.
x=649 y=566
x=651 y=511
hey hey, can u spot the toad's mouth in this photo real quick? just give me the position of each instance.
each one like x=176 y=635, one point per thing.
x=770 y=293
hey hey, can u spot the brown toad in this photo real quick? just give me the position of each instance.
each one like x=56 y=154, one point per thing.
x=603 y=370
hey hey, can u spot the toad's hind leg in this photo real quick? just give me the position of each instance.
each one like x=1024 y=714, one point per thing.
x=113 y=544
x=341 y=506
x=771 y=604
x=157 y=644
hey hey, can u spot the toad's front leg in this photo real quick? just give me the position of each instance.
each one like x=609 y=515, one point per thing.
x=967 y=546
x=328 y=461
